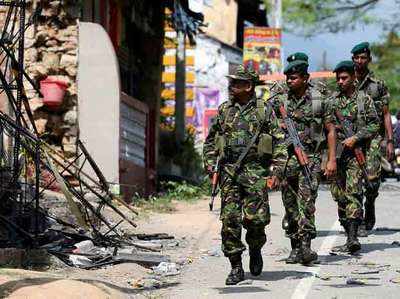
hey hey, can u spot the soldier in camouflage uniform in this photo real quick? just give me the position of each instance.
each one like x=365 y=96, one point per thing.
x=367 y=82
x=312 y=117
x=292 y=57
x=242 y=121
x=358 y=108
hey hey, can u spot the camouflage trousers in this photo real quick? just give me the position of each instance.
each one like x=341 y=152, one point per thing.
x=299 y=199
x=346 y=189
x=244 y=204
x=373 y=158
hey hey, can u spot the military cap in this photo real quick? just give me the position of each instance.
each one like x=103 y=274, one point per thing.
x=360 y=48
x=297 y=66
x=246 y=74
x=345 y=65
x=297 y=56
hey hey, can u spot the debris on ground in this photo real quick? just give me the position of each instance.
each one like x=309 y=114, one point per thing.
x=365 y=272
x=354 y=281
x=395 y=280
x=397 y=243
x=246 y=282
x=328 y=277
x=157 y=236
x=166 y=269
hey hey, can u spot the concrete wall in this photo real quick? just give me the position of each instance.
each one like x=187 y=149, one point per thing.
x=221 y=17
x=212 y=60
x=99 y=98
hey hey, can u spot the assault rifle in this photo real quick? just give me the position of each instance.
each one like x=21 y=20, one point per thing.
x=298 y=146
x=214 y=186
x=358 y=153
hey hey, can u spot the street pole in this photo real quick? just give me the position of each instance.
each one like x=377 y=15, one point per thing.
x=275 y=20
x=180 y=88
x=275 y=14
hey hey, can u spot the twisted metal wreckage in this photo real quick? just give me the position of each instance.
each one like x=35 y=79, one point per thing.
x=25 y=157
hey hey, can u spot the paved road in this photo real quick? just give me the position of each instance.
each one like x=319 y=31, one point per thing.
x=204 y=278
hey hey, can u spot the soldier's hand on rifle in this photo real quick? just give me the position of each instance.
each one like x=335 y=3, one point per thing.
x=273 y=182
x=330 y=169
x=349 y=142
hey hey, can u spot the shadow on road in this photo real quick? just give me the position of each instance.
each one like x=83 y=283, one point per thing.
x=324 y=233
x=279 y=275
x=331 y=259
x=240 y=289
x=369 y=247
x=346 y=286
x=383 y=231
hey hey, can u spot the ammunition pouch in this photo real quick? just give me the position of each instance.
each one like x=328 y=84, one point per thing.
x=265 y=146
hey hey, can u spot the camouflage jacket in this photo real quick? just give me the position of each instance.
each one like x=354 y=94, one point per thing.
x=379 y=93
x=237 y=125
x=361 y=111
x=310 y=113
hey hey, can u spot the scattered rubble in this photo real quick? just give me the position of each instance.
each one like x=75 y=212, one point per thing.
x=354 y=281
x=397 y=243
x=365 y=272
x=166 y=269
x=395 y=280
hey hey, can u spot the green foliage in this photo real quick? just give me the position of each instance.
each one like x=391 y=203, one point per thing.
x=386 y=66
x=172 y=191
x=310 y=17
x=187 y=157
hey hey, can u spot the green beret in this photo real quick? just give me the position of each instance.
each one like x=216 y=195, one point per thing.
x=360 y=48
x=346 y=65
x=246 y=74
x=297 y=56
x=297 y=66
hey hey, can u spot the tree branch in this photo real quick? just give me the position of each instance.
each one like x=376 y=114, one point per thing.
x=357 y=6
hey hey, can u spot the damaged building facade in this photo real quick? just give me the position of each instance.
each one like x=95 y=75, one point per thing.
x=112 y=85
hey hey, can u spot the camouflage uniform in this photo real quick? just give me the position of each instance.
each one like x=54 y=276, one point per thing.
x=347 y=188
x=298 y=198
x=244 y=198
x=377 y=90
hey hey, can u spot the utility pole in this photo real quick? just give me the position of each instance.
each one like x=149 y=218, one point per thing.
x=275 y=20
x=180 y=88
x=275 y=14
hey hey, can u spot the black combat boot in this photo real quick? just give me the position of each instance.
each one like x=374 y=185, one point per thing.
x=369 y=218
x=294 y=256
x=237 y=274
x=353 y=244
x=256 y=261
x=307 y=255
x=344 y=247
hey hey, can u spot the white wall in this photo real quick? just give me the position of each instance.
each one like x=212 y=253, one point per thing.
x=212 y=64
x=99 y=98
